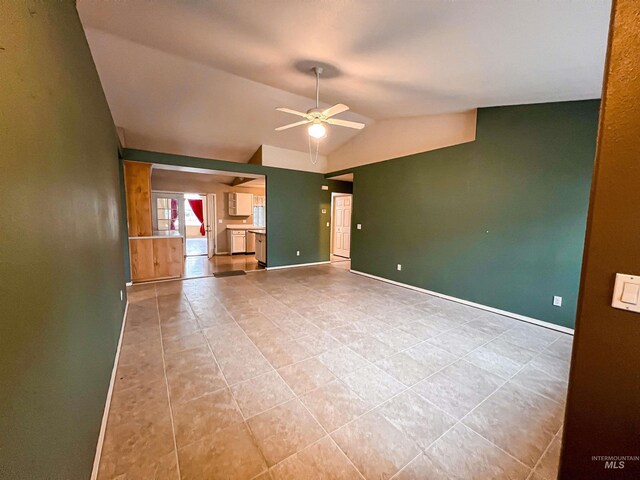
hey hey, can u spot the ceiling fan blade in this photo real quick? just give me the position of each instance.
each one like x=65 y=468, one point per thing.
x=336 y=109
x=291 y=125
x=345 y=123
x=293 y=112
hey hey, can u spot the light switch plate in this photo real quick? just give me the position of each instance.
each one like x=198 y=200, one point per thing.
x=325 y=187
x=626 y=292
x=324 y=210
x=359 y=226
x=557 y=301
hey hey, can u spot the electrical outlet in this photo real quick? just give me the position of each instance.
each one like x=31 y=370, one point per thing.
x=121 y=296
x=359 y=226
x=557 y=301
x=399 y=267
x=297 y=253
x=328 y=224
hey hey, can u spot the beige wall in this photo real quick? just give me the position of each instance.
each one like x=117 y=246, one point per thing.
x=193 y=231
x=398 y=137
x=170 y=181
x=292 y=159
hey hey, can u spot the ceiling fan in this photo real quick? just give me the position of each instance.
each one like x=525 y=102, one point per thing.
x=317 y=117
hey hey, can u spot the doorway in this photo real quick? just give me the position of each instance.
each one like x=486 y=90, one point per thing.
x=197 y=224
x=212 y=217
x=342 y=205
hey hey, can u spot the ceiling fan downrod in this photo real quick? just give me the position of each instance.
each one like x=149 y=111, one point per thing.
x=318 y=72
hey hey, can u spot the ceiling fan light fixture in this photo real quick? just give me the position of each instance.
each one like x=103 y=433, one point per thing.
x=317 y=130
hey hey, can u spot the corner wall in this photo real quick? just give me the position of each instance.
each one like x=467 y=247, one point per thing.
x=61 y=257
x=499 y=221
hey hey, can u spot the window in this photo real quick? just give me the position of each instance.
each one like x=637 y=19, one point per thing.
x=259 y=211
x=167 y=212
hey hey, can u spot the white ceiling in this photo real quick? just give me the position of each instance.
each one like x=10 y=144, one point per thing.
x=203 y=78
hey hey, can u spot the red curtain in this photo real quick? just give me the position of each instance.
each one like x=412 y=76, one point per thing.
x=196 y=206
x=174 y=213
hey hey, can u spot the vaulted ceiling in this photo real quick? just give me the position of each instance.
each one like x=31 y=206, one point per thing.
x=204 y=78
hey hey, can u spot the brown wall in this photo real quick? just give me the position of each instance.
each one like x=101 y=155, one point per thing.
x=603 y=405
x=170 y=181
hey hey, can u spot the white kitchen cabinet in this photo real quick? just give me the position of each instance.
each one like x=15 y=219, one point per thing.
x=240 y=204
x=261 y=248
x=237 y=241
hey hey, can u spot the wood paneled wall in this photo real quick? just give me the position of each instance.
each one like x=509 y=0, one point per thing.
x=156 y=258
x=137 y=181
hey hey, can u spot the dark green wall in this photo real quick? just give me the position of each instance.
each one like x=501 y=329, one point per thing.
x=61 y=260
x=295 y=201
x=499 y=221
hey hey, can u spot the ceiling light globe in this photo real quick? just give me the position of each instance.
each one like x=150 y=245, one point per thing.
x=317 y=130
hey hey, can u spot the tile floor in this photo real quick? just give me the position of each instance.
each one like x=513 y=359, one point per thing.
x=317 y=373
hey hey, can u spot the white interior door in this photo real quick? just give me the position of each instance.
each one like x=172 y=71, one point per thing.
x=342 y=225
x=210 y=225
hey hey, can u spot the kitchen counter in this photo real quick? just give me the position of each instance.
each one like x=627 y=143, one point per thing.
x=259 y=231
x=156 y=236
x=241 y=226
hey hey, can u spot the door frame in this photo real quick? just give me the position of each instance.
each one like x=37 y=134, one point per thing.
x=333 y=196
x=215 y=216
x=215 y=222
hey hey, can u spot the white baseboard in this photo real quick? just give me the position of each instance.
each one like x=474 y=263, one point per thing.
x=128 y=284
x=107 y=406
x=296 y=265
x=517 y=316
